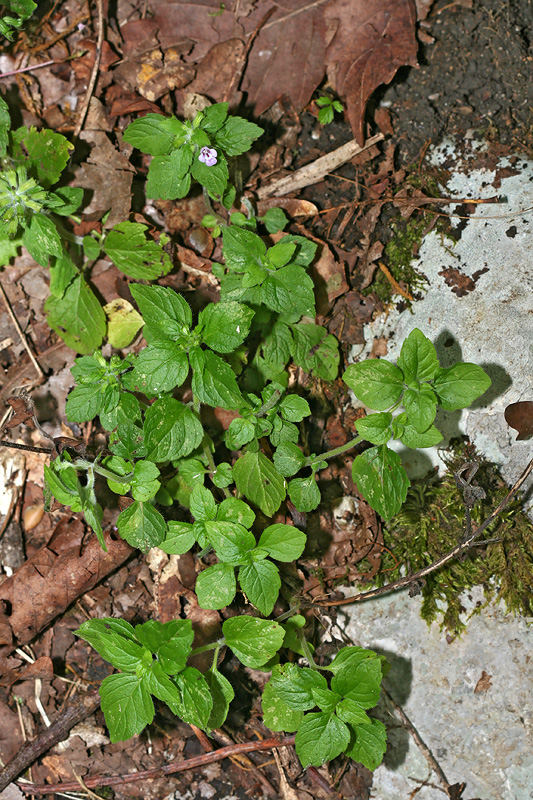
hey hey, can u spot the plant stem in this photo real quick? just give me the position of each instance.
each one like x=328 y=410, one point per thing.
x=213 y=467
x=335 y=452
x=270 y=403
x=213 y=646
x=307 y=650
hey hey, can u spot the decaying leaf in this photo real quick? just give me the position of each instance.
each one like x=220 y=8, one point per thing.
x=520 y=417
x=371 y=42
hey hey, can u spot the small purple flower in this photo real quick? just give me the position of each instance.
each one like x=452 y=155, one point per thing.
x=209 y=156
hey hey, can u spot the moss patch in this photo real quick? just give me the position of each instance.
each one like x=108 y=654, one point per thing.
x=432 y=522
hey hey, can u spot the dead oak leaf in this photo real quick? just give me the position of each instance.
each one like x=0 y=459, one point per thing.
x=371 y=41
x=287 y=57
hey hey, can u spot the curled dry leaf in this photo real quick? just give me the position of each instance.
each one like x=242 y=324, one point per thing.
x=520 y=417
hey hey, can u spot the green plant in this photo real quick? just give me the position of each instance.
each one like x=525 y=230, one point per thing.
x=9 y=24
x=328 y=106
x=232 y=355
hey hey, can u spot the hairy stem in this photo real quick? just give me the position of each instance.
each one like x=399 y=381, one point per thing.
x=337 y=451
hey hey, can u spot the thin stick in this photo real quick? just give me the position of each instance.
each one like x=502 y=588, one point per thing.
x=21 y=333
x=58 y=730
x=454 y=553
x=96 y=67
x=27 y=447
x=314 y=172
x=168 y=769
x=422 y=746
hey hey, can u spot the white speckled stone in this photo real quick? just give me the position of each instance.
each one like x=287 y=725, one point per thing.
x=483 y=739
x=491 y=325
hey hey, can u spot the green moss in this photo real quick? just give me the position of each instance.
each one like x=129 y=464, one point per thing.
x=399 y=253
x=431 y=523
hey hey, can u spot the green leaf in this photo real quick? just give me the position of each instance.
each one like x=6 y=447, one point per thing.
x=304 y=493
x=63 y=492
x=164 y=311
x=5 y=125
x=86 y=402
x=305 y=249
x=257 y=478
x=352 y=713
x=160 y=367
x=277 y=345
x=41 y=239
x=288 y=459
x=225 y=326
x=77 y=317
x=378 y=384
x=411 y=438
x=168 y=175
x=113 y=642
x=276 y=713
x=170 y=641
x=135 y=255
x=294 y=408
x=213 y=381
x=315 y=351
x=254 y=641
x=240 y=432
x=45 y=153
x=325 y=699
x=171 y=430
x=290 y=290
x=195 y=702
x=222 y=694
x=237 y=135
x=375 y=427
x=242 y=248
x=202 y=503
x=65 y=200
x=213 y=118
x=349 y=658
x=154 y=133
x=127 y=706
x=370 y=744
x=261 y=583
x=141 y=526
x=215 y=178
x=230 y=540
x=179 y=539
x=145 y=483
x=91 y=248
x=223 y=475
x=418 y=358
x=361 y=683
x=283 y=542
x=421 y=407
x=381 y=479
x=281 y=253
x=275 y=220
x=216 y=586
x=233 y=510
x=159 y=684
x=458 y=386
x=321 y=737
x=295 y=685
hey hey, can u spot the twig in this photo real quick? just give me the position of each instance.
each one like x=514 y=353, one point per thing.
x=21 y=333
x=27 y=447
x=57 y=731
x=94 y=72
x=393 y=282
x=454 y=553
x=422 y=746
x=168 y=769
x=314 y=172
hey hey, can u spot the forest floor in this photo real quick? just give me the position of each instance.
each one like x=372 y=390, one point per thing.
x=473 y=73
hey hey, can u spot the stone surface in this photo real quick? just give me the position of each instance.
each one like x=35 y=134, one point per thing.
x=483 y=738
x=478 y=306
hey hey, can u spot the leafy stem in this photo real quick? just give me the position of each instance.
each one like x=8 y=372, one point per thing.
x=337 y=451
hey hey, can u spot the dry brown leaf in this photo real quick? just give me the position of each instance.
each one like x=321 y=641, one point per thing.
x=287 y=57
x=108 y=173
x=52 y=579
x=216 y=72
x=370 y=43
